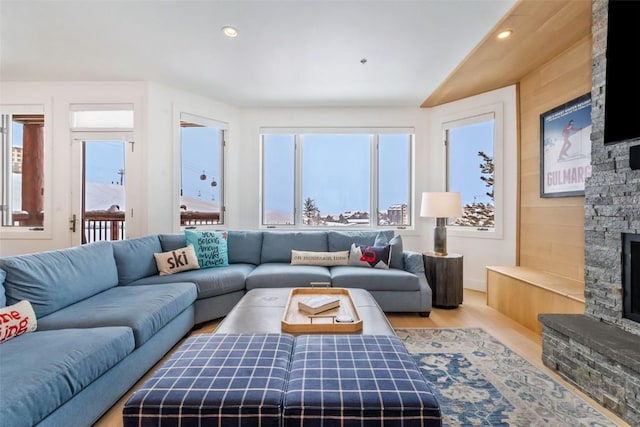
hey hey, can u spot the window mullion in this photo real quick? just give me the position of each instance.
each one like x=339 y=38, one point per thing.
x=323 y=181
x=375 y=174
x=223 y=148
x=7 y=166
x=297 y=182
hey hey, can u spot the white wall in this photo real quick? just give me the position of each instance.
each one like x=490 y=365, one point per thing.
x=248 y=177
x=163 y=155
x=56 y=97
x=157 y=110
x=479 y=251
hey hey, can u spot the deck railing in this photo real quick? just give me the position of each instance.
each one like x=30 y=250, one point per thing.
x=188 y=218
x=103 y=225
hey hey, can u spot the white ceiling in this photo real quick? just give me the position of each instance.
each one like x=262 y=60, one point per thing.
x=287 y=53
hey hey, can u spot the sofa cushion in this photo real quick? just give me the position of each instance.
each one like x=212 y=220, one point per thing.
x=210 y=281
x=277 y=246
x=3 y=298
x=210 y=247
x=397 y=257
x=216 y=380
x=17 y=319
x=35 y=385
x=175 y=261
x=145 y=309
x=244 y=247
x=374 y=279
x=55 y=279
x=319 y=258
x=276 y=275
x=134 y=258
x=173 y=241
x=342 y=240
x=370 y=256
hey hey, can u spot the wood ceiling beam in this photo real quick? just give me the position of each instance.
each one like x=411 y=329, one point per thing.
x=542 y=29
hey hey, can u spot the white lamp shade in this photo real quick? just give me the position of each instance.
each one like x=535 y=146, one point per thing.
x=441 y=205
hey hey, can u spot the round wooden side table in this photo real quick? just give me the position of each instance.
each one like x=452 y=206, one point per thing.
x=444 y=274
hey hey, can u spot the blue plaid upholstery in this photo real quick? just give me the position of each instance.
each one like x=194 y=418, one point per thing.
x=216 y=379
x=356 y=380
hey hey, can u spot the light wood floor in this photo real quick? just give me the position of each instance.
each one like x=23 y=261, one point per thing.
x=472 y=313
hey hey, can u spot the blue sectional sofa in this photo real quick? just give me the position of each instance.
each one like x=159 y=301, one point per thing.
x=105 y=316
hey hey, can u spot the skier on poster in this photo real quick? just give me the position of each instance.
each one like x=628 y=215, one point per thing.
x=566 y=132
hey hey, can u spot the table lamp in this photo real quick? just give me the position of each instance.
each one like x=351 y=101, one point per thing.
x=440 y=205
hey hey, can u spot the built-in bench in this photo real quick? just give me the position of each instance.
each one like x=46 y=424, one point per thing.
x=521 y=293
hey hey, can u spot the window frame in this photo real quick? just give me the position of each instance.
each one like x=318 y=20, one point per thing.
x=373 y=134
x=203 y=119
x=80 y=120
x=473 y=116
x=10 y=232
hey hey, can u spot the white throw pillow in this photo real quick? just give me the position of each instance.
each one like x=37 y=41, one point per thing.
x=319 y=258
x=175 y=261
x=17 y=319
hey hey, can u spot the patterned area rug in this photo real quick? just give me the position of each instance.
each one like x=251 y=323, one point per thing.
x=480 y=382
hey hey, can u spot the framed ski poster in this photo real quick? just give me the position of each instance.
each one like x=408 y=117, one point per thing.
x=565 y=148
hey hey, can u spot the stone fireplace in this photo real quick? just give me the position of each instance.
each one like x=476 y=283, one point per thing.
x=631 y=276
x=600 y=351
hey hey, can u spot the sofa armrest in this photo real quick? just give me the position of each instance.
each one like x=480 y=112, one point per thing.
x=414 y=263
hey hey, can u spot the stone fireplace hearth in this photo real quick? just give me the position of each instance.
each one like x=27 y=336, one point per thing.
x=600 y=351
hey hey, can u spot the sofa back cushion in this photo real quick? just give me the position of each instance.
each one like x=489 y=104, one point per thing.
x=3 y=298
x=244 y=247
x=277 y=246
x=342 y=240
x=56 y=279
x=173 y=241
x=134 y=258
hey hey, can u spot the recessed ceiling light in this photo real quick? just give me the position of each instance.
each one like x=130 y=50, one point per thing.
x=504 y=34
x=229 y=31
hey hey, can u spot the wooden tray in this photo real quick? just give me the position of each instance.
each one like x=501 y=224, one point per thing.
x=298 y=321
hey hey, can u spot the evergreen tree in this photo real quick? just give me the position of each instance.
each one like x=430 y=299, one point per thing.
x=487 y=168
x=310 y=210
x=480 y=214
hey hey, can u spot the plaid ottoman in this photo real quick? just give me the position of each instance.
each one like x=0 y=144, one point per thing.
x=217 y=380
x=356 y=380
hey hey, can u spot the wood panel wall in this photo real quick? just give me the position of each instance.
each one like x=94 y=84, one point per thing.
x=551 y=230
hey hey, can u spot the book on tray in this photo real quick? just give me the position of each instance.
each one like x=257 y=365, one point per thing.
x=318 y=304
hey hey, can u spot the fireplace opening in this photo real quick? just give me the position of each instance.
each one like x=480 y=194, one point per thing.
x=631 y=276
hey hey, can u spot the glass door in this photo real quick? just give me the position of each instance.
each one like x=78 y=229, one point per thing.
x=99 y=211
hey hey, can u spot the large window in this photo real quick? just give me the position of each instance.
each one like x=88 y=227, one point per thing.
x=471 y=171
x=22 y=169
x=202 y=177
x=336 y=179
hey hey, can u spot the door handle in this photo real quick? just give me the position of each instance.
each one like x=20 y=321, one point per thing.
x=72 y=223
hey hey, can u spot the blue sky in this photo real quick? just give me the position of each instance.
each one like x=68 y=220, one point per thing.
x=343 y=162
x=104 y=160
x=200 y=156
x=344 y=167
x=464 y=144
